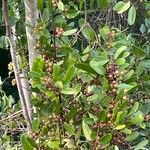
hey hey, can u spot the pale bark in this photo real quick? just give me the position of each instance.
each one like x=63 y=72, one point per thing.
x=31 y=21
x=20 y=77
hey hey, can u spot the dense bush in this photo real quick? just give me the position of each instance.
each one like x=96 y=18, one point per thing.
x=90 y=82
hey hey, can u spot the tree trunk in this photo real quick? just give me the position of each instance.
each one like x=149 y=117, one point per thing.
x=31 y=21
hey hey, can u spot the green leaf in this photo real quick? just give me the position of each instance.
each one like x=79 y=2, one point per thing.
x=146 y=63
x=46 y=15
x=141 y=145
x=85 y=67
x=70 y=14
x=33 y=74
x=69 y=91
x=39 y=4
x=106 y=139
x=31 y=141
x=59 y=84
x=56 y=72
x=102 y=116
x=120 y=116
x=71 y=113
x=120 y=61
x=127 y=86
x=4 y=42
x=97 y=67
x=136 y=119
x=101 y=60
x=119 y=51
x=61 y=5
x=87 y=50
x=88 y=33
x=126 y=131
x=121 y=7
x=103 y=32
x=70 y=32
x=131 y=15
x=119 y=95
x=102 y=4
x=134 y=108
x=69 y=75
x=86 y=130
x=54 y=144
x=132 y=136
x=26 y=145
x=143 y=28
x=38 y=65
x=35 y=124
x=120 y=127
x=69 y=128
x=138 y=52
x=128 y=75
x=66 y=50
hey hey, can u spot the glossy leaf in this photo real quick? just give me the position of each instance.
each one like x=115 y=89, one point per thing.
x=102 y=116
x=141 y=145
x=126 y=131
x=61 y=5
x=139 y=53
x=69 y=128
x=69 y=32
x=56 y=71
x=128 y=75
x=119 y=51
x=102 y=4
x=106 y=139
x=131 y=15
x=69 y=75
x=136 y=119
x=132 y=136
x=85 y=67
x=70 y=115
x=69 y=91
x=120 y=127
x=26 y=145
x=86 y=130
x=134 y=108
x=121 y=7
x=35 y=124
x=54 y=144
x=88 y=33
x=120 y=116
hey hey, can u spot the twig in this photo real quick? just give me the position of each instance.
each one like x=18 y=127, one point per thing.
x=12 y=116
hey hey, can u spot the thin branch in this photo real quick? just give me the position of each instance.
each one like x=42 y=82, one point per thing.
x=15 y=65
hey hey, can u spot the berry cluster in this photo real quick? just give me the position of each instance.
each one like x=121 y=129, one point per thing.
x=110 y=35
x=95 y=109
x=118 y=139
x=13 y=82
x=147 y=118
x=48 y=126
x=113 y=75
x=111 y=106
x=58 y=31
x=54 y=3
x=10 y=66
x=76 y=104
x=96 y=143
x=47 y=79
